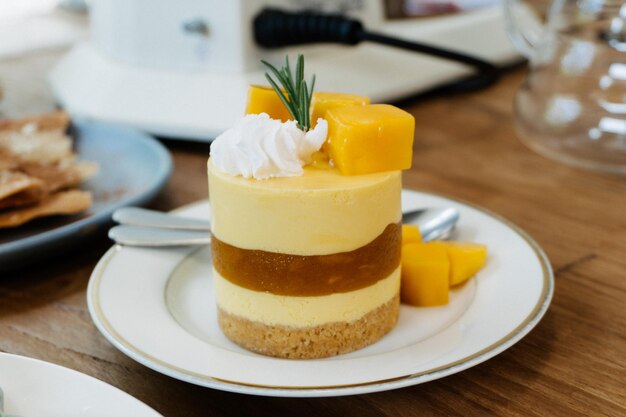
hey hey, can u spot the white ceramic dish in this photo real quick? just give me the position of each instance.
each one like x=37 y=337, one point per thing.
x=41 y=389
x=156 y=306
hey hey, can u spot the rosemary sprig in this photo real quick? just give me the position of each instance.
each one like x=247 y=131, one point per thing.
x=295 y=94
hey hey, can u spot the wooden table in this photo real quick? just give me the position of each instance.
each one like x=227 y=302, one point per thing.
x=572 y=364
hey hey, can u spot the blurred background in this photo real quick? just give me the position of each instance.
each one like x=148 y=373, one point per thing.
x=159 y=65
x=180 y=70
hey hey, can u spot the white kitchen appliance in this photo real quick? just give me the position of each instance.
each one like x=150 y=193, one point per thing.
x=181 y=69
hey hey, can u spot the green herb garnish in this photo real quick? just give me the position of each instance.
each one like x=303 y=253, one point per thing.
x=295 y=94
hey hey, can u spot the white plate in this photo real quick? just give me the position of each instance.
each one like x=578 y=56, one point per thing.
x=41 y=389
x=157 y=306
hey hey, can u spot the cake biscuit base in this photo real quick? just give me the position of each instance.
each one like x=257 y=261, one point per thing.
x=321 y=341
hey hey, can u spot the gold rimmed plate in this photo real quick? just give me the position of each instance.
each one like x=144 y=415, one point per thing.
x=157 y=306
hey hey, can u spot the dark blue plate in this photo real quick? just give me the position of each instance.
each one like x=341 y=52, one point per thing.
x=133 y=168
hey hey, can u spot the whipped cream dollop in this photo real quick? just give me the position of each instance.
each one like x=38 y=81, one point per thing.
x=260 y=147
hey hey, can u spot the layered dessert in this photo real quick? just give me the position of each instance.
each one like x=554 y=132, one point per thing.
x=302 y=266
x=306 y=236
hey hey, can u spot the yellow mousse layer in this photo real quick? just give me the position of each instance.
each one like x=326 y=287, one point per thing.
x=318 y=213
x=296 y=311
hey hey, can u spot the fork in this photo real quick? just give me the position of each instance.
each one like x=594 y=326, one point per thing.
x=142 y=227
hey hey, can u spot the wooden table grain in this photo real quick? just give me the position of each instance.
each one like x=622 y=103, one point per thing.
x=572 y=364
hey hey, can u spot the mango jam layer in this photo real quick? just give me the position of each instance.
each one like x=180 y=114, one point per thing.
x=298 y=275
x=318 y=213
x=262 y=307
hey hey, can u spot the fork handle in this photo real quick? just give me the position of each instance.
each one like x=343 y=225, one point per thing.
x=136 y=216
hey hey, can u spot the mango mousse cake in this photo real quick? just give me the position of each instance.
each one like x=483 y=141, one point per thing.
x=306 y=257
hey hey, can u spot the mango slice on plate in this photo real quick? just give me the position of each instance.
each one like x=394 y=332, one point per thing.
x=429 y=269
x=265 y=100
x=425 y=274
x=466 y=259
x=322 y=102
x=410 y=234
x=370 y=138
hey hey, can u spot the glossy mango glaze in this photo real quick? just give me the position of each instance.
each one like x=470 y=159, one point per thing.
x=298 y=275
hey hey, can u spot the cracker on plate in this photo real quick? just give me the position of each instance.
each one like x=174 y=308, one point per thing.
x=18 y=189
x=39 y=169
x=63 y=202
